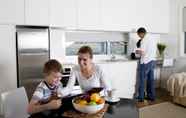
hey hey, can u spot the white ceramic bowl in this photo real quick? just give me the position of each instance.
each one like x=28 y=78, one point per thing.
x=90 y=109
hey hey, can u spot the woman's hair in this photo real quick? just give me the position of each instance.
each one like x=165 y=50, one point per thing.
x=52 y=66
x=141 y=30
x=86 y=49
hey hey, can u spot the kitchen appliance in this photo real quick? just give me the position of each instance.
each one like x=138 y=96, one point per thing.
x=32 y=53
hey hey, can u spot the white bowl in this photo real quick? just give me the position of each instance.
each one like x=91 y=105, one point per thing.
x=90 y=109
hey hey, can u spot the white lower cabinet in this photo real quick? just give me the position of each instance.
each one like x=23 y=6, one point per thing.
x=122 y=76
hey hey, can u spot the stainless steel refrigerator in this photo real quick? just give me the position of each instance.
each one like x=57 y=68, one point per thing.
x=32 y=53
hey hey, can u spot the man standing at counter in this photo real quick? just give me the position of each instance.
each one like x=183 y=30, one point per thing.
x=147 y=53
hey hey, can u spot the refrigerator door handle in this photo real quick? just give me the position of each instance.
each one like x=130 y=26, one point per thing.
x=29 y=54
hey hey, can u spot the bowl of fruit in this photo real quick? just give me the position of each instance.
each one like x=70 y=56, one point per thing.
x=88 y=103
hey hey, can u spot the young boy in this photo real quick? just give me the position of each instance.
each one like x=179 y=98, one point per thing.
x=47 y=93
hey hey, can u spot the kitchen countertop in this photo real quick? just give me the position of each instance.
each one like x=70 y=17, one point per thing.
x=104 y=61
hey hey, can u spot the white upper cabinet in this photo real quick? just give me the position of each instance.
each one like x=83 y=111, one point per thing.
x=89 y=14
x=154 y=15
x=37 y=12
x=118 y=15
x=127 y=15
x=11 y=11
x=108 y=15
x=63 y=13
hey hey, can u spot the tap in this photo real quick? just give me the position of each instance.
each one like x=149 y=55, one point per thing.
x=113 y=57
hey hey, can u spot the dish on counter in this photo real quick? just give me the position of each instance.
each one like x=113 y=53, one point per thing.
x=113 y=99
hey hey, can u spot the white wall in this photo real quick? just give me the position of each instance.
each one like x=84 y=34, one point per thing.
x=175 y=38
x=182 y=3
x=57 y=44
x=8 y=74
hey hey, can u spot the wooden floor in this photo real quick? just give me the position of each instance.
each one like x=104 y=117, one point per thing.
x=161 y=96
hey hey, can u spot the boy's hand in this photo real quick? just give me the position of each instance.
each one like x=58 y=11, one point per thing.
x=54 y=104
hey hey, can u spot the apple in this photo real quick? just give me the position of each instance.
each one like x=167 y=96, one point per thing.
x=92 y=103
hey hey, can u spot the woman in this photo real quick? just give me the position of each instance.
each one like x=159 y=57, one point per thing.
x=88 y=74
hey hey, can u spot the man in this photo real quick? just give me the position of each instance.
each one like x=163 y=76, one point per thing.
x=147 y=53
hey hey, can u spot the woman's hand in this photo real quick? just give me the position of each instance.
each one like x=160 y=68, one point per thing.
x=54 y=104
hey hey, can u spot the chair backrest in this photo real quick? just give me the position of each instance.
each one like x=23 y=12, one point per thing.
x=15 y=103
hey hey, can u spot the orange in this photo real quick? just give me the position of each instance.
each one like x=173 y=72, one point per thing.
x=82 y=102
x=101 y=101
x=95 y=97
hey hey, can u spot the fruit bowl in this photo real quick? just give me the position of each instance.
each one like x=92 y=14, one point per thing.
x=88 y=104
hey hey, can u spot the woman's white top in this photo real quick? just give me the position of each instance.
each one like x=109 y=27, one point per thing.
x=96 y=80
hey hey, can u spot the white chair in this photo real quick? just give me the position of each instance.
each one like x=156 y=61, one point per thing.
x=15 y=103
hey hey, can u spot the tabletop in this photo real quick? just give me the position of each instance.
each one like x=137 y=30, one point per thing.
x=125 y=108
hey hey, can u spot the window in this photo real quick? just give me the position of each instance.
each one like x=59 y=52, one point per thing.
x=118 y=48
x=102 y=43
x=99 y=48
x=184 y=28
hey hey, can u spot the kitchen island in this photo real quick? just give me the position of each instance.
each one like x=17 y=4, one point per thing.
x=121 y=75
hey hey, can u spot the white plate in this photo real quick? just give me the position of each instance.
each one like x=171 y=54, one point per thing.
x=108 y=99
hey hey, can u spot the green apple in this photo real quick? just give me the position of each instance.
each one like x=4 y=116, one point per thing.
x=92 y=103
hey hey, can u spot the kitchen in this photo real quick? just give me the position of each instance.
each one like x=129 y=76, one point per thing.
x=119 y=17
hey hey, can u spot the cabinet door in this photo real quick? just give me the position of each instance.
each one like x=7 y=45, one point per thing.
x=126 y=15
x=144 y=14
x=37 y=12
x=63 y=13
x=11 y=11
x=89 y=14
x=118 y=15
x=153 y=15
x=121 y=76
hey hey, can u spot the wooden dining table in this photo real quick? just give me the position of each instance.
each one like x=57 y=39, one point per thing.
x=125 y=108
